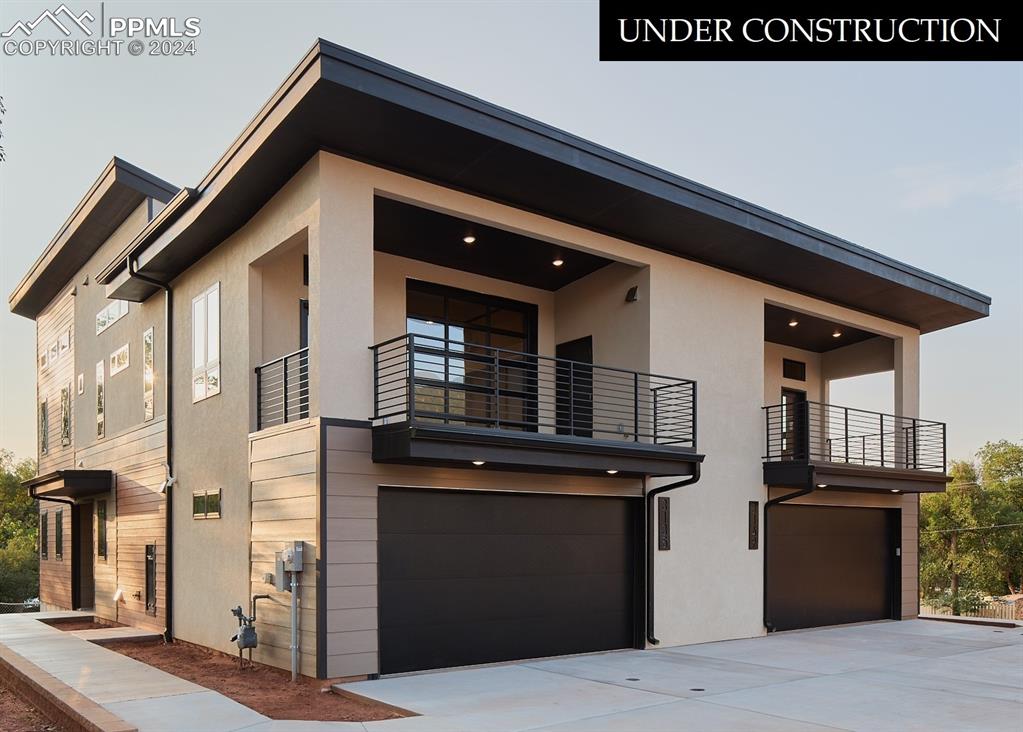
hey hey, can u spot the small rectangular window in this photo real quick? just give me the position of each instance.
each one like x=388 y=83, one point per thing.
x=206 y=344
x=754 y=524
x=81 y=384
x=44 y=428
x=119 y=360
x=206 y=504
x=100 y=401
x=44 y=535
x=64 y=342
x=795 y=370
x=663 y=523
x=44 y=358
x=65 y=416
x=148 y=377
x=109 y=315
x=101 y=529
x=58 y=533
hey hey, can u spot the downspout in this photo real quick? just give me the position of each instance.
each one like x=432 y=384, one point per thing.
x=132 y=267
x=774 y=502
x=650 y=524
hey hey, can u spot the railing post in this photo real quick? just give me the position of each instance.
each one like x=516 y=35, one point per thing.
x=693 y=392
x=285 y=366
x=376 y=382
x=845 y=414
x=497 y=388
x=655 y=393
x=571 y=396
x=259 y=399
x=916 y=445
x=635 y=406
x=410 y=396
x=880 y=433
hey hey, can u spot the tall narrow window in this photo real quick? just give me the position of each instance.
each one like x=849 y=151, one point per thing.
x=58 y=533
x=148 y=376
x=100 y=401
x=101 y=529
x=206 y=344
x=44 y=535
x=44 y=427
x=65 y=416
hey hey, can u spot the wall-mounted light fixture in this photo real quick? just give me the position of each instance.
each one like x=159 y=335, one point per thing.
x=633 y=294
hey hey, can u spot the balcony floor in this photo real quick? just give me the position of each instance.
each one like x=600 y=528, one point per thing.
x=852 y=476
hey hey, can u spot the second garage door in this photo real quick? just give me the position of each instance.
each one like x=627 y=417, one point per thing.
x=831 y=565
x=475 y=577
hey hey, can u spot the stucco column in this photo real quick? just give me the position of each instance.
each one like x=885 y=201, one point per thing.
x=341 y=295
x=907 y=404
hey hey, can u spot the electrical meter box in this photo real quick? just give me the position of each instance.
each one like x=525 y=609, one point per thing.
x=292 y=556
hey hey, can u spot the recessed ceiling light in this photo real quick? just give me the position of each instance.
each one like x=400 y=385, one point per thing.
x=469 y=239
x=837 y=333
x=477 y=463
x=793 y=323
x=896 y=490
x=822 y=485
x=558 y=262
x=612 y=472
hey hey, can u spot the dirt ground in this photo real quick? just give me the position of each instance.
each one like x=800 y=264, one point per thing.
x=19 y=716
x=265 y=689
x=68 y=625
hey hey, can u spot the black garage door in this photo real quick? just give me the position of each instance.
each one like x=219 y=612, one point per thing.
x=476 y=577
x=829 y=565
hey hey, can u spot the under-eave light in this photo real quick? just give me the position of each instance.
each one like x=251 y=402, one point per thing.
x=822 y=485
x=558 y=262
x=896 y=490
x=793 y=323
x=612 y=472
x=469 y=239
x=477 y=463
x=836 y=334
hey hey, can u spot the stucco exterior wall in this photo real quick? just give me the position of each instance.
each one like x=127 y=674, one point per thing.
x=211 y=445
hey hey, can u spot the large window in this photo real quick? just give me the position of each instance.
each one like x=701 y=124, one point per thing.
x=44 y=535
x=100 y=400
x=456 y=359
x=101 y=529
x=206 y=344
x=148 y=377
x=44 y=427
x=58 y=533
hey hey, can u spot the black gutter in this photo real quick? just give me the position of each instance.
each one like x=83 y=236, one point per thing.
x=774 y=502
x=650 y=523
x=131 y=266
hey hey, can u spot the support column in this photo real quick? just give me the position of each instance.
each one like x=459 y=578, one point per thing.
x=907 y=404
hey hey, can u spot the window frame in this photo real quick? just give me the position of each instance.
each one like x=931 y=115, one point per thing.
x=58 y=531
x=205 y=495
x=44 y=535
x=790 y=366
x=65 y=415
x=203 y=366
x=101 y=529
x=116 y=366
x=107 y=317
x=44 y=427
x=148 y=375
x=101 y=398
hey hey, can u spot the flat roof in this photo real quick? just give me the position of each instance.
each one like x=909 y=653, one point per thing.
x=118 y=190
x=346 y=103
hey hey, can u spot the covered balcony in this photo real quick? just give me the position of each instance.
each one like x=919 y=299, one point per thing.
x=442 y=401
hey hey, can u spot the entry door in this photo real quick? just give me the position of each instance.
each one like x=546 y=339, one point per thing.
x=831 y=565
x=575 y=388
x=469 y=577
x=794 y=414
x=83 y=585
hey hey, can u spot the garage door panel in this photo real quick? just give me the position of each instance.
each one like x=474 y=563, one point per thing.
x=473 y=599
x=829 y=565
x=425 y=556
x=478 y=577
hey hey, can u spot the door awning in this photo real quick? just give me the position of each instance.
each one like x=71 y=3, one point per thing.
x=70 y=484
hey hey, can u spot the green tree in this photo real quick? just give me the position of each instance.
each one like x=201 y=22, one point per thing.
x=19 y=564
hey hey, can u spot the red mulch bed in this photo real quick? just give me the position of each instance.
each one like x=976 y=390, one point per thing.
x=17 y=715
x=265 y=689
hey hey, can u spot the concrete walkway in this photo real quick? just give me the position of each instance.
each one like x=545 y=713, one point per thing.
x=913 y=675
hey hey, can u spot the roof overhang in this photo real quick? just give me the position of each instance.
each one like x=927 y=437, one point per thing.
x=346 y=103
x=527 y=452
x=843 y=477
x=118 y=191
x=70 y=484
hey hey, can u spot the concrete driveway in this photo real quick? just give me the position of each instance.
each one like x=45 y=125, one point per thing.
x=910 y=675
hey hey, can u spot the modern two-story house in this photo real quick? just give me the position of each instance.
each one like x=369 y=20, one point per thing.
x=517 y=394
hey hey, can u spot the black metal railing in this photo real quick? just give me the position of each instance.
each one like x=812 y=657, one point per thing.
x=422 y=379
x=282 y=389
x=810 y=431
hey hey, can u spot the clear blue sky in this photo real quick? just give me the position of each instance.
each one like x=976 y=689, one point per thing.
x=923 y=162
